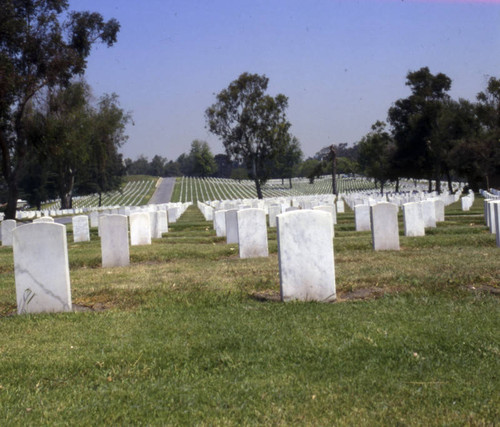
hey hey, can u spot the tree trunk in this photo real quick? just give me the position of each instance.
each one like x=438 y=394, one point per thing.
x=256 y=179
x=100 y=199
x=282 y=181
x=430 y=185
x=382 y=187
x=257 y=187
x=66 y=183
x=333 y=157
x=290 y=181
x=397 y=185
x=448 y=177
x=10 y=211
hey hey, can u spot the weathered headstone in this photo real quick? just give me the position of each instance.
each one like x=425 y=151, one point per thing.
x=7 y=226
x=252 y=233
x=385 y=233
x=362 y=217
x=140 y=228
x=305 y=253
x=41 y=268
x=413 y=219
x=114 y=240
x=81 y=232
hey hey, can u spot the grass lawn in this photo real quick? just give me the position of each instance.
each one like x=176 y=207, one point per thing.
x=191 y=334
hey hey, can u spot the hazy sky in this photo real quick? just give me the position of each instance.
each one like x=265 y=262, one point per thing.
x=342 y=63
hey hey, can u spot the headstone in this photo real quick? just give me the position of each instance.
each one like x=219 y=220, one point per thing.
x=220 y=223
x=413 y=219
x=7 y=226
x=331 y=210
x=140 y=228
x=172 y=214
x=154 y=225
x=81 y=232
x=497 y=223
x=45 y=219
x=340 y=206
x=114 y=240
x=252 y=233
x=305 y=253
x=232 y=226
x=429 y=213
x=385 y=233
x=362 y=217
x=273 y=211
x=94 y=219
x=491 y=215
x=439 y=207
x=41 y=268
x=162 y=222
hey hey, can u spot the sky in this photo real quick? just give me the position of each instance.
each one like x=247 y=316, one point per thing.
x=341 y=63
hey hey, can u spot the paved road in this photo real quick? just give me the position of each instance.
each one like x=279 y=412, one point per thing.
x=163 y=192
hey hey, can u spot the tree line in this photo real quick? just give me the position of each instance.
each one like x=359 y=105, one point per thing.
x=50 y=133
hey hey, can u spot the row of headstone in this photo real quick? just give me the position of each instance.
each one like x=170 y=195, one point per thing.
x=492 y=217
x=42 y=271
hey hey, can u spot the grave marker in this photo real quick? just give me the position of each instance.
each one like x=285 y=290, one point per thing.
x=41 y=268
x=305 y=253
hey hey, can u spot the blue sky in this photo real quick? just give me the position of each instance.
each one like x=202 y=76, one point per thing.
x=342 y=63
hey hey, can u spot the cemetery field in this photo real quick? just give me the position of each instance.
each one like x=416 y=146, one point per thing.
x=191 y=334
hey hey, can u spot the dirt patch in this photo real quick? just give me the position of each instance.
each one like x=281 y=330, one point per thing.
x=360 y=294
x=77 y=308
x=342 y=296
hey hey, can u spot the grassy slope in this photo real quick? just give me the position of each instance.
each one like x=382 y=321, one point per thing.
x=181 y=337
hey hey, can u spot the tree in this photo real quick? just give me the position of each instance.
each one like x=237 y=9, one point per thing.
x=488 y=112
x=375 y=154
x=37 y=52
x=68 y=123
x=157 y=165
x=201 y=159
x=140 y=166
x=105 y=166
x=414 y=121
x=287 y=160
x=250 y=123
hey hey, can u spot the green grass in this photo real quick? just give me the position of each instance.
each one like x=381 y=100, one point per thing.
x=191 y=334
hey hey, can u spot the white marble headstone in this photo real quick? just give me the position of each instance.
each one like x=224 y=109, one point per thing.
x=81 y=231
x=7 y=226
x=220 y=223
x=140 y=228
x=362 y=217
x=252 y=233
x=385 y=233
x=232 y=226
x=413 y=219
x=41 y=268
x=114 y=240
x=305 y=253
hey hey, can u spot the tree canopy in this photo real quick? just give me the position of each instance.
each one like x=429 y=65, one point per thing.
x=251 y=124
x=38 y=51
